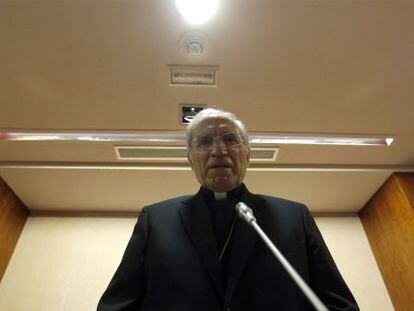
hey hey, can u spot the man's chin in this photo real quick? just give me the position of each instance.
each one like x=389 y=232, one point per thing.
x=222 y=184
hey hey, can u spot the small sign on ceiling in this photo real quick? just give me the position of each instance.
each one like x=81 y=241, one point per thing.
x=193 y=75
x=189 y=111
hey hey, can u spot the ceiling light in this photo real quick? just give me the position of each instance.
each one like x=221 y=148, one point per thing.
x=389 y=141
x=142 y=137
x=197 y=11
x=321 y=140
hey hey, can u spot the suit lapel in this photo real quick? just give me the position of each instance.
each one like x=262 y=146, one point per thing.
x=197 y=222
x=244 y=238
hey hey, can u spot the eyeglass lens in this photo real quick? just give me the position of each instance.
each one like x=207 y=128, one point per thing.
x=230 y=139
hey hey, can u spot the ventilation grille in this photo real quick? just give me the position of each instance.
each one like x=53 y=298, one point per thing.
x=179 y=154
x=263 y=154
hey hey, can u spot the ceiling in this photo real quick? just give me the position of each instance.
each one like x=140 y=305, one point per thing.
x=285 y=67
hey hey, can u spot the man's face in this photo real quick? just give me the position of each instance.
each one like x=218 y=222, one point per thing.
x=221 y=167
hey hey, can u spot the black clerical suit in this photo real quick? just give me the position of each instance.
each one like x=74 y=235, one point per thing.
x=172 y=260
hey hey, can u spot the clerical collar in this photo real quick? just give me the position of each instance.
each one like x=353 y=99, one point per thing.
x=220 y=195
x=233 y=194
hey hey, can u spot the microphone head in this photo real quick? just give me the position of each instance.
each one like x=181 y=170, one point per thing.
x=245 y=212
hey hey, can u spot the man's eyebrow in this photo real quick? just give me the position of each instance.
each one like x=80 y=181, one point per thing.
x=221 y=126
x=206 y=133
x=214 y=133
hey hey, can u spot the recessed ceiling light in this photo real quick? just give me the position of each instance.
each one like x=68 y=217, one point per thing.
x=321 y=140
x=197 y=11
x=160 y=137
x=389 y=140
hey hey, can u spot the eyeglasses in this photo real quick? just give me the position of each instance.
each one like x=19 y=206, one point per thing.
x=206 y=142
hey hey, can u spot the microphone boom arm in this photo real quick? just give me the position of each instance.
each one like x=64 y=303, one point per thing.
x=246 y=213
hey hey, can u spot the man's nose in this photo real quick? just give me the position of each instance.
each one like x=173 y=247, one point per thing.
x=218 y=147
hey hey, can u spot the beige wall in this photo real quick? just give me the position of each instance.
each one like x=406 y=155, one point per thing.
x=349 y=246
x=65 y=263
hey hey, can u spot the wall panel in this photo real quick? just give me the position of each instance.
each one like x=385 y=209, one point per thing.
x=388 y=220
x=72 y=260
x=13 y=215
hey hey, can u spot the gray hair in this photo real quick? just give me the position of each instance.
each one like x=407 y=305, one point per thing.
x=216 y=113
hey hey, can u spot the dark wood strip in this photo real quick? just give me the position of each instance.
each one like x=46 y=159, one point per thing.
x=13 y=215
x=388 y=220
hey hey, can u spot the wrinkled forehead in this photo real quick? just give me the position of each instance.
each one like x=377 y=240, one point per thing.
x=214 y=125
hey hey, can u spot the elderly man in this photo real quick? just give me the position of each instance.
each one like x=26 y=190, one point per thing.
x=194 y=254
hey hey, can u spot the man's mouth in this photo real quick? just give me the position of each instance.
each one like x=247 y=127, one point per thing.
x=219 y=166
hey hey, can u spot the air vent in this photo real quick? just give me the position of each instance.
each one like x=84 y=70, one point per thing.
x=193 y=75
x=151 y=153
x=194 y=44
x=263 y=154
x=179 y=154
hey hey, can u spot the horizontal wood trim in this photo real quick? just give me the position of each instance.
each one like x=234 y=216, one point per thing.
x=109 y=214
x=406 y=183
x=127 y=214
x=388 y=220
x=13 y=215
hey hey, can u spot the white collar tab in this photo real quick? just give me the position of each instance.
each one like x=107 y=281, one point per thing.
x=220 y=195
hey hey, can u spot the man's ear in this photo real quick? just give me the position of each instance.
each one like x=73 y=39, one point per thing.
x=189 y=158
x=248 y=156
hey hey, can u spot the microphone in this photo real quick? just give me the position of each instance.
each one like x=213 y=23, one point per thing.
x=246 y=213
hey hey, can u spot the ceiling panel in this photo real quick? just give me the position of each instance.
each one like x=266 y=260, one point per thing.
x=302 y=67
x=117 y=189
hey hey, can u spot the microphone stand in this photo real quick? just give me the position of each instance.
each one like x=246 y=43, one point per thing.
x=246 y=213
